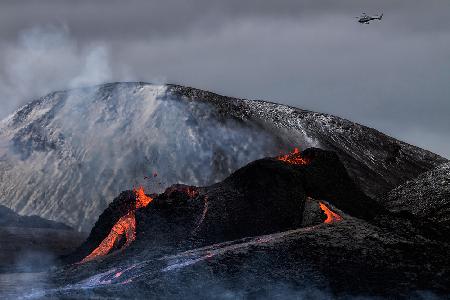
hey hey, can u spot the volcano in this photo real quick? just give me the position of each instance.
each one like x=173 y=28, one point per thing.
x=291 y=224
x=188 y=194
x=65 y=156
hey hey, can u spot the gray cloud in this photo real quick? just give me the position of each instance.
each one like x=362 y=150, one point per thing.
x=392 y=75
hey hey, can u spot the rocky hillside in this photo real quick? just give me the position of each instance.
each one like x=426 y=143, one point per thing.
x=427 y=196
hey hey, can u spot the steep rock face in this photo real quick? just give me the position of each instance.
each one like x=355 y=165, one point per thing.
x=65 y=156
x=427 y=196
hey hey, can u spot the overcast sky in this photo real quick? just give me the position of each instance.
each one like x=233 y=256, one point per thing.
x=392 y=75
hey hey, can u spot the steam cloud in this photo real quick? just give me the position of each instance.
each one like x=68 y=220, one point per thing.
x=44 y=59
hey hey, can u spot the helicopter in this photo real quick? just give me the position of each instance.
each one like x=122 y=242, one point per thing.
x=365 y=19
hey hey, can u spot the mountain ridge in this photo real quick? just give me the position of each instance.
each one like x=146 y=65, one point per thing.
x=66 y=155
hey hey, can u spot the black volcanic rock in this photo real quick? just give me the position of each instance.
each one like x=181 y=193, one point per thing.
x=427 y=196
x=345 y=259
x=326 y=178
x=263 y=197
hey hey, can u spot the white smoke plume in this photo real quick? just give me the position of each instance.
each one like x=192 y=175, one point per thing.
x=45 y=59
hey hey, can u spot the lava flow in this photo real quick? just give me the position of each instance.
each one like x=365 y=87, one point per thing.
x=126 y=226
x=331 y=216
x=295 y=158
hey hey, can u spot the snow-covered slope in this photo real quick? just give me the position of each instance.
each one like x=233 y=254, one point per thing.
x=67 y=155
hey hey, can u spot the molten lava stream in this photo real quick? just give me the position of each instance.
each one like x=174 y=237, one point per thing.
x=294 y=158
x=331 y=216
x=126 y=226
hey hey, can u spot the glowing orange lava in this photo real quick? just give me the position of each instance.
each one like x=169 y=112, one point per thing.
x=331 y=216
x=295 y=158
x=142 y=200
x=125 y=227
